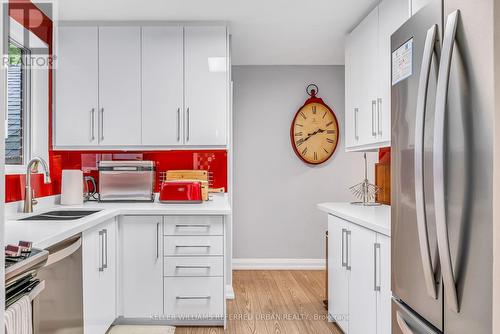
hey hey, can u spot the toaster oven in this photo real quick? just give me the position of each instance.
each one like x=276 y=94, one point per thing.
x=126 y=181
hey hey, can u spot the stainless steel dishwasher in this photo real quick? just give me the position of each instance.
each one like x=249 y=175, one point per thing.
x=59 y=309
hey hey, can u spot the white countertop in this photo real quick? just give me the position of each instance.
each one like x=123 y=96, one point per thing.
x=44 y=234
x=376 y=218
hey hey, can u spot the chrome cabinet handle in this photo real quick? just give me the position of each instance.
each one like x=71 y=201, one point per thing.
x=422 y=229
x=193 y=246
x=348 y=245
x=192 y=267
x=178 y=124
x=193 y=297
x=187 y=124
x=105 y=256
x=157 y=240
x=374 y=106
x=102 y=124
x=376 y=269
x=92 y=136
x=379 y=110
x=438 y=162
x=192 y=225
x=344 y=263
x=101 y=251
x=356 y=112
x=402 y=324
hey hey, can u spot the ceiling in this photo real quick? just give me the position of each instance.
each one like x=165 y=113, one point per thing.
x=272 y=32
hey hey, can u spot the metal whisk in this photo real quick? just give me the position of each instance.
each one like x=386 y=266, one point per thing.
x=365 y=191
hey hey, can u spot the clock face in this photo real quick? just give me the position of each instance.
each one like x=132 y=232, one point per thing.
x=315 y=133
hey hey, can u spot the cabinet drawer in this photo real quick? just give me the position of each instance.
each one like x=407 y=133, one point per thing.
x=193 y=266
x=193 y=298
x=193 y=245
x=190 y=225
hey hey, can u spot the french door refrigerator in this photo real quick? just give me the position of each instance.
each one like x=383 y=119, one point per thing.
x=442 y=166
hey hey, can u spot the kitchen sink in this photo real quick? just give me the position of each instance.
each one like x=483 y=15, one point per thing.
x=62 y=215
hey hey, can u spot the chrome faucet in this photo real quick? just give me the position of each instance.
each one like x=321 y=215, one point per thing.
x=29 y=195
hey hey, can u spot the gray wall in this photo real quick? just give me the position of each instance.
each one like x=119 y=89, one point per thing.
x=275 y=196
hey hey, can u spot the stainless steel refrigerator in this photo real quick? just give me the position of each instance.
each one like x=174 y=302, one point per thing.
x=442 y=169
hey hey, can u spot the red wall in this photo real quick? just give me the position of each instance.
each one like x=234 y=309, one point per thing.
x=215 y=161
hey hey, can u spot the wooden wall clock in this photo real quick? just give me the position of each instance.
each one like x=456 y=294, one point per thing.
x=315 y=131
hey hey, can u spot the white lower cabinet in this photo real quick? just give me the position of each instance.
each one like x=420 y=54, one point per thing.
x=359 y=278
x=172 y=269
x=99 y=277
x=141 y=266
x=193 y=288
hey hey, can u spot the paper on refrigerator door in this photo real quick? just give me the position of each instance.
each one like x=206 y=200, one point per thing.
x=402 y=62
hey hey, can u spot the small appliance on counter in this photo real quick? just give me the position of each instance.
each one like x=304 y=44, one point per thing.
x=181 y=192
x=72 y=187
x=126 y=181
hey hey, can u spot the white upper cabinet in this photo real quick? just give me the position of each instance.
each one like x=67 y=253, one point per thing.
x=206 y=85
x=368 y=76
x=120 y=86
x=127 y=86
x=76 y=92
x=162 y=91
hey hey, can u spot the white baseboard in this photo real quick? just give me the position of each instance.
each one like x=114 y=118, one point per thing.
x=279 y=264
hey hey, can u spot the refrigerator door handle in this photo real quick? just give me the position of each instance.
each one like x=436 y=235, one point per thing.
x=402 y=324
x=423 y=235
x=438 y=163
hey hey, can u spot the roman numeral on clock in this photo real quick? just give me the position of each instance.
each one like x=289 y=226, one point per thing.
x=313 y=109
x=330 y=140
x=329 y=123
x=315 y=156
x=304 y=151
x=298 y=134
x=300 y=142
x=330 y=131
x=303 y=115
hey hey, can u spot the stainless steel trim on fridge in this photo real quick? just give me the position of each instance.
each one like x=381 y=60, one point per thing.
x=442 y=162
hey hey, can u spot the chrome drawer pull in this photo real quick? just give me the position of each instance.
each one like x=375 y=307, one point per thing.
x=193 y=297
x=189 y=246
x=193 y=225
x=192 y=267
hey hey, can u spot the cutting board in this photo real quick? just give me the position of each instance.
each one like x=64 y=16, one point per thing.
x=191 y=175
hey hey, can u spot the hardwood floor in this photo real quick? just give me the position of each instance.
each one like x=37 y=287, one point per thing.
x=274 y=302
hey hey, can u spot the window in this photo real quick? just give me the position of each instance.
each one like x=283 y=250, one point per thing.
x=17 y=143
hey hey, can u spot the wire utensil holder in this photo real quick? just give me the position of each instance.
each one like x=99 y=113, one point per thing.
x=365 y=191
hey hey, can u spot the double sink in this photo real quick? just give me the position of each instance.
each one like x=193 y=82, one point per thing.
x=62 y=215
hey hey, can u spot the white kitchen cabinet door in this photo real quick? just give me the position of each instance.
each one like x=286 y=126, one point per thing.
x=99 y=277
x=338 y=275
x=361 y=82
x=362 y=294
x=119 y=86
x=392 y=14
x=162 y=85
x=205 y=86
x=368 y=34
x=76 y=82
x=384 y=283
x=142 y=266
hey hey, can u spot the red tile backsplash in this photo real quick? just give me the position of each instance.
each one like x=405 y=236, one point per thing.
x=215 y=161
